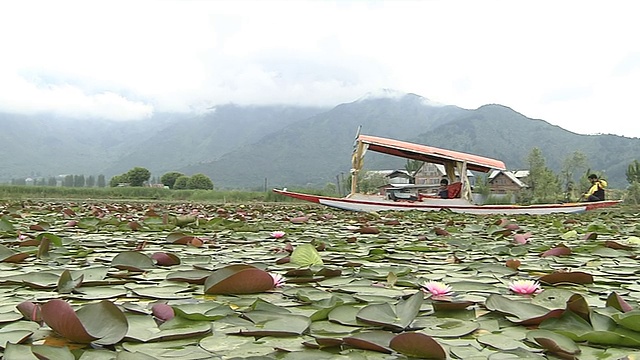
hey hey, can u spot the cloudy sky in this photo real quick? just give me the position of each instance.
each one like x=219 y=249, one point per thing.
x=575 y=64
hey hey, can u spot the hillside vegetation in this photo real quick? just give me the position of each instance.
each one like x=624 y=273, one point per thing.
x=248 y=147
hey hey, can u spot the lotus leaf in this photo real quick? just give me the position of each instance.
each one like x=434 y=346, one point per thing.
x=102 y=323
x=132 y=261
x=397 y=317
x=555 y=343
x=11 y=256
x=373 y=340
x=418 y=345
x=520 y=312
x=616 y=301
x=305 y=255
x=67 y=284
x=238 y=279
x=277 y=325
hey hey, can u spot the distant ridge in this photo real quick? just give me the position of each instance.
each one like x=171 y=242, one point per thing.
x=244 y=146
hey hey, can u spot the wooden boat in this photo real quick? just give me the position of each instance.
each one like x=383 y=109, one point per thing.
x=454 y=162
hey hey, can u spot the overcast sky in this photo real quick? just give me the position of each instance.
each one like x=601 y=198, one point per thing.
x=575 y=64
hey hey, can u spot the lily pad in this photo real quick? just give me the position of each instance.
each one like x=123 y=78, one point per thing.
x=418 y=345
x=133 y=261
x=555 y=343
x=102 y=323
x=306 y=255
x=397 y=317
x=238 y=279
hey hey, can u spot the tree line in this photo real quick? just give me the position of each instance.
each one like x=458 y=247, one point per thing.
x=137 y=176
x=63 y=180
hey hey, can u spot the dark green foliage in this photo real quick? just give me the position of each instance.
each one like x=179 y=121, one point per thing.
x=199 y=181
x=169 y=179
x=52 y=192
x=91 y=181
x=369 y=182
x=68 y=181
x=181 y=182
x=633 y=193
x=102 y=182
x=544 y=186
x=118 y=179
x=138 y=176
x=78 y=180
x=633 y=172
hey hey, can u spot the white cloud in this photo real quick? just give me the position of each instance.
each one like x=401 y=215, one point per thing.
x=572 y=63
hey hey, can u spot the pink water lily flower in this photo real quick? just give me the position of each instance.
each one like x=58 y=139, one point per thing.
x=437 y=288
x=278 y=234
x=278 y=280
x=525 y=287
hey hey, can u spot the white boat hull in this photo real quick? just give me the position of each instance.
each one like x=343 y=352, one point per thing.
x=454 y=205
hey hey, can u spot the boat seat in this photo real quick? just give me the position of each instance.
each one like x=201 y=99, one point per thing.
x=454 y=190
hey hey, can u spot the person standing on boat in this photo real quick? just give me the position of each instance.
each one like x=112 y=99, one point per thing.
x=596 y=191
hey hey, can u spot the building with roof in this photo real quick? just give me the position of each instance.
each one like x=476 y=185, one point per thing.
x=505 y=181
x=431 y=174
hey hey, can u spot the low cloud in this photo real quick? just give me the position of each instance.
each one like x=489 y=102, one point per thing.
x=19 y=95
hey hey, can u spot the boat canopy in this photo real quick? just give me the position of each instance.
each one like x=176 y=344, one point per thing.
x=429 y=154
x=452 y=160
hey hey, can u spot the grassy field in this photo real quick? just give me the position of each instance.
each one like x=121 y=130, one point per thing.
x=13 y=192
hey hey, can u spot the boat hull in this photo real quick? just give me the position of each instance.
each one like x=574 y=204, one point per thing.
x=454 y=205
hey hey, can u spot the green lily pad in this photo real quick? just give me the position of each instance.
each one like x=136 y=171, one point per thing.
x=372 y=340
x=238 y=279
x=418 y=345
x=553 y=342
x=102 y=323
x=278 y=325
x=519 y=311
x=396 y=317
x=133 y=261
x=305 y=255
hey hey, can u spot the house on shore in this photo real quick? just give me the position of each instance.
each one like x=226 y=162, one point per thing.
x=507 y=182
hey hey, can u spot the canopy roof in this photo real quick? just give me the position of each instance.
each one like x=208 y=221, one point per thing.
x=429 y=153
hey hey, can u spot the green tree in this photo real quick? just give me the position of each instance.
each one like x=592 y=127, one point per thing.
x=412 y=167
x=199 y=181
x=78 y=181
x=102 y=182
x=633 y=193
x=138 y=176
x=482 y=185
x=118 y=179
x=572 y=165
x=68 y=181
x=330 y=189
x=633 y=172
x=91 y=181
x=544 y=185
x=169 y=179
x=633 y=177
x=371 y=181
x=181 y=183
x=52 y=181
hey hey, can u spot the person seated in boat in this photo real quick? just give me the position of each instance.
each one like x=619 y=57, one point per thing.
x=443 y=190
x=596 y=191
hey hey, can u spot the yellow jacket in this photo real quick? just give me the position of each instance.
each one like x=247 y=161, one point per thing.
x=597 y=185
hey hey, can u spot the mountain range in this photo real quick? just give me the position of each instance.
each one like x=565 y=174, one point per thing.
x=248 y=147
